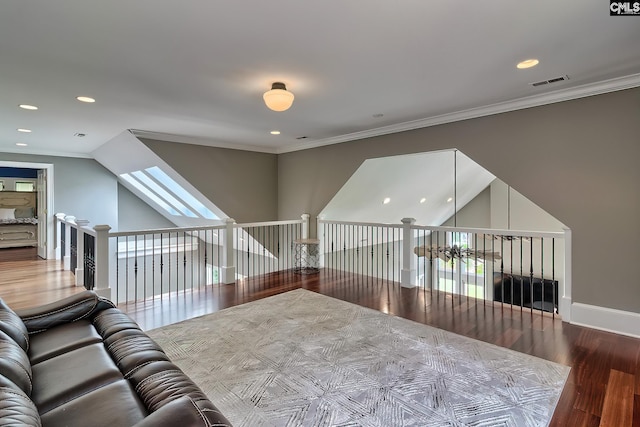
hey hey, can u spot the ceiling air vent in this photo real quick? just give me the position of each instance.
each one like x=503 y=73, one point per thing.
x=553 y=80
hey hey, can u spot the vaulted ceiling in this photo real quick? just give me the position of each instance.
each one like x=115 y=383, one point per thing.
x=195 y=70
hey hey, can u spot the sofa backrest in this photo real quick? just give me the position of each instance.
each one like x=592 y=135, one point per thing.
x=12 y=325
x=14 y=343
x=15 y=372
x=14 y=364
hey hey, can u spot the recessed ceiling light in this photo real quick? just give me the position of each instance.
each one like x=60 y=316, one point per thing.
x=28 y=107
x=21 y=144
x=386 y=200
x=450 y=199
x=527 y=63
x=24 y=130
x=85 y=99
x=424 y=199
x=275 y=132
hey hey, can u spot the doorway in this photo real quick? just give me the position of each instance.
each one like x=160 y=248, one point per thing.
x=44 y=195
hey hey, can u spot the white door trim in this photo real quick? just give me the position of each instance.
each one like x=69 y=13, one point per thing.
x=51 y=252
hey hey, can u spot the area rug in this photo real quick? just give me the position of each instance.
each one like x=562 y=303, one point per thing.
x=304 y=359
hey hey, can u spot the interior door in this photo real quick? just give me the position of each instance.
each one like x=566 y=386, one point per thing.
x=41 y=188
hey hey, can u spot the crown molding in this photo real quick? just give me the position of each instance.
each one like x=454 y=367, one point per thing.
x=47 y=153
x=583 y=91
x=199 y=141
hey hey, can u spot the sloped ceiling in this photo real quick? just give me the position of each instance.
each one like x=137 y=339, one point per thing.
x=444 y=181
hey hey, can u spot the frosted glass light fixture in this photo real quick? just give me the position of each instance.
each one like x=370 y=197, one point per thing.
x=527 y=63
x=278 y=98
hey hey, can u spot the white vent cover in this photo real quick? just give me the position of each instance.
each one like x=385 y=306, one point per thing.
x=553 y=80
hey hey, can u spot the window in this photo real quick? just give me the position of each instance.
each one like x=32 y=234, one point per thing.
x=28 y=186
x=167 y=193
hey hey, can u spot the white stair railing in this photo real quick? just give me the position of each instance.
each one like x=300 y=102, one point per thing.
x=525 y=269
x=132 y=265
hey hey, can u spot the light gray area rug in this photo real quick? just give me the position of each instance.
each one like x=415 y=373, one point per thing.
x=304 y=359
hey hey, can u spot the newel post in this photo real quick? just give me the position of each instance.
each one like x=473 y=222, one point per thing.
x=102 y=261
x=80 y=254
x=57 y=237
x=66 y=260
x=228 y=266
x=305 y=225
x=408 y=273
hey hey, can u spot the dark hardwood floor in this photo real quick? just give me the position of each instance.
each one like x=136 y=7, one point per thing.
x=603 y=388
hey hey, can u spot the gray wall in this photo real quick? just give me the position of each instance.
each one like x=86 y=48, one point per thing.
x=243 y=184
x=82 y=187
x=87 y=190
x=578 y=160
x=476 y=213
x=134 y=214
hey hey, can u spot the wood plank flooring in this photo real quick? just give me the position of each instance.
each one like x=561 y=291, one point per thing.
x=603 y=388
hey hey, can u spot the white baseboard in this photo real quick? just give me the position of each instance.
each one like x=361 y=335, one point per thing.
x=606 y=319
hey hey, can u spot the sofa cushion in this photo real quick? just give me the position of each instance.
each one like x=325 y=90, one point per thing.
x=16 y=409
x=113 y=405
x=72 y=374
x=14 y=364
x=62 y=339
x=12 y=325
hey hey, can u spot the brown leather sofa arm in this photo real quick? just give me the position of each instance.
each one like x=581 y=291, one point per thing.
x=79 y=306
x=184 y=412
x=16 y=409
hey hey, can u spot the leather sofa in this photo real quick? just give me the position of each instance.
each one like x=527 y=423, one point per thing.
x=82 y=362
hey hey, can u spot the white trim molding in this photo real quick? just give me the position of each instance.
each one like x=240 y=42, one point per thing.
x=606 y=319
x=160 y=136
x=582 y=91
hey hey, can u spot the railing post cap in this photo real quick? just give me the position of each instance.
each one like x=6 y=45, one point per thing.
x=60 y=215
x=229 y=220
x=82 y=222
x=70 y=218
x=102 y=227
x=305 y=216
x=408 y=220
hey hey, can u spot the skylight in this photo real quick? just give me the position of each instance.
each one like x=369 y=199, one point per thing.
x=157 y=200
x=151 y=184
x=168 y=194
x=183 y=194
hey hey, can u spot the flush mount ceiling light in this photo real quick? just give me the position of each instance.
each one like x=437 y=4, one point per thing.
x=28 y=107
x=85 y=99
x=278 y=98
x=527 y=63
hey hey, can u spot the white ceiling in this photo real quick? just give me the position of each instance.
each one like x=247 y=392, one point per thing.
x=425 y=186
x=196 y=69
